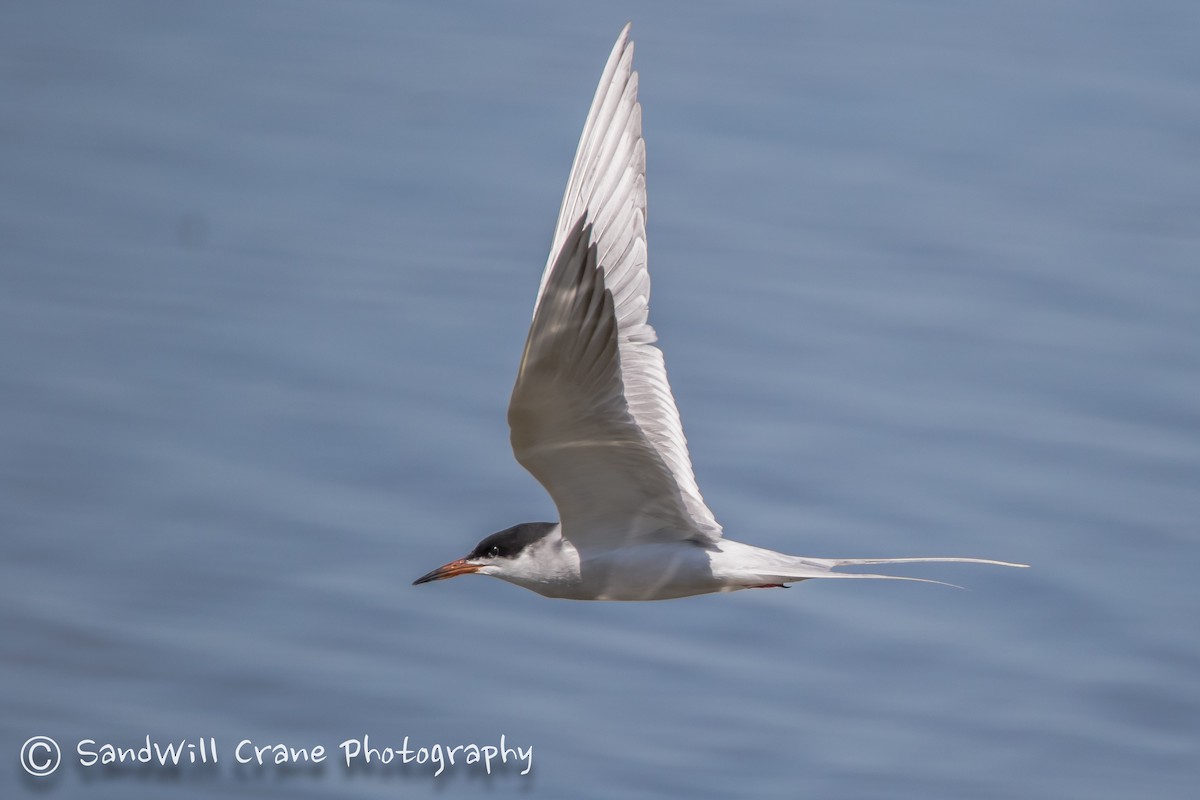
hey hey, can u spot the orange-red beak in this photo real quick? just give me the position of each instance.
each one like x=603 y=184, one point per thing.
x=451 y=570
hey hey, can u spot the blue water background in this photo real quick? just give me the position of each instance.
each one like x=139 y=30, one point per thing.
x=927 y=277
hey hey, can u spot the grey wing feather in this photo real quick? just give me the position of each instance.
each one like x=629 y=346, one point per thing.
x=592 y=414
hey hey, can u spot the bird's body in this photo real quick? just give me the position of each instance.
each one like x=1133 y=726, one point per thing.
x=644 y=571
x=592 y=416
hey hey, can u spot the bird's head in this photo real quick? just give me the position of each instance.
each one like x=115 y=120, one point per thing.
x=511 y=554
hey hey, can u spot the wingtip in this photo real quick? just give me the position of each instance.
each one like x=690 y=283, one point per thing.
x=624 y=38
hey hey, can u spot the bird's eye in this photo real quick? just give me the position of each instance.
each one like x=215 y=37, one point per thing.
x=494 y=552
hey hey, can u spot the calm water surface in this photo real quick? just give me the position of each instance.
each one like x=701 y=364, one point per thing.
x=927 y=282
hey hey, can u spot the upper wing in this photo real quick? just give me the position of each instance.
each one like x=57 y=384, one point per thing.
x=592 y=414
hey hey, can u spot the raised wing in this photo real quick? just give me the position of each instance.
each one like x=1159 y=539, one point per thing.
x=592 y=414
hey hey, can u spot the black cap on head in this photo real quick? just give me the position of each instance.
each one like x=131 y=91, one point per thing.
x=511 y=541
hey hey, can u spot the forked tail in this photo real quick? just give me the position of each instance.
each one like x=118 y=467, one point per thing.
x=807 y=568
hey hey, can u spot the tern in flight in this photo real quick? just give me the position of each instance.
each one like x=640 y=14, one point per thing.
x=592 y=415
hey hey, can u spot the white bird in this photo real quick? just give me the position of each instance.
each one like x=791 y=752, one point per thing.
x=592 y=415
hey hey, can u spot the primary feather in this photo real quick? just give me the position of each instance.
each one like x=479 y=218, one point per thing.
x=592 y=414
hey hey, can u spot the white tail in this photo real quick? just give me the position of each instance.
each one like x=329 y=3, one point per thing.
x=806 y=568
